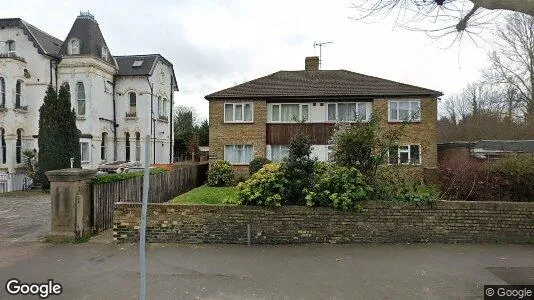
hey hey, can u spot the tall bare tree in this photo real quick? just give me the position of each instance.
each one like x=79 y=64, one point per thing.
x=512 y=63
x=442 y=16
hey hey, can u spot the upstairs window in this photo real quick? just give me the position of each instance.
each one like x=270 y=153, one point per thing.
x=348 y=112
x=74 y=47
x=160 y=107
x=405 y=155
x=133 y=104
x=104 y=53
x=10 y=47
x=85 y=153
x=404 y=111
x=238 y=112
x=164 y=107
x=289 y=112
x=2 y=92
x=18 y=94
x=80 y=97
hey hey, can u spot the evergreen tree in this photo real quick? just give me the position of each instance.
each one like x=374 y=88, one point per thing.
x=59 y=139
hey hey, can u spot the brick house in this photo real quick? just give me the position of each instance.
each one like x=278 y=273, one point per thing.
x=259 y=117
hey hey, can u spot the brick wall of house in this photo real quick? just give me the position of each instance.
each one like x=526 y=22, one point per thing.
x=424 y=133
x=222 y=134
x=447 y=222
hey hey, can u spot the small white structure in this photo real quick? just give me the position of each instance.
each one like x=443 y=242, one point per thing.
x=118 y=99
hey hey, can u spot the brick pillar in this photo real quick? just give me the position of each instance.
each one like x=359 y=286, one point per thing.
x=70 y=193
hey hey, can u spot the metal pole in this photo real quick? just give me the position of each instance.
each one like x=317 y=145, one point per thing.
x=142 y=227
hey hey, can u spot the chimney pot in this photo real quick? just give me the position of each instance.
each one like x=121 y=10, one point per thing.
x=312 y=63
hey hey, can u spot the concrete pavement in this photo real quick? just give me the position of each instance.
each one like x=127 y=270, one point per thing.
x=418 y=271
x=24 y=216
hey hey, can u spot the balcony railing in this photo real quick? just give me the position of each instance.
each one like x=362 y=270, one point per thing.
x=131 y=115
x=21 y=107
x=12 y=55
x=163 y=118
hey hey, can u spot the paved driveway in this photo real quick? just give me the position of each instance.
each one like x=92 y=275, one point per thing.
x=24 y=216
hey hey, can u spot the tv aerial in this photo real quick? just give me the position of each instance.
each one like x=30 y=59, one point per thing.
x=320 y=45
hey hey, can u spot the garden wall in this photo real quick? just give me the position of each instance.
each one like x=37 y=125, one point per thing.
x=447 y=222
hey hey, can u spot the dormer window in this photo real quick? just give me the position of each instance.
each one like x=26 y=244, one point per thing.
x=104 y=53
x=74 y=47
x=10 y=46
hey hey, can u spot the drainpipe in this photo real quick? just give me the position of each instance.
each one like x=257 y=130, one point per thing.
x=114 y=121
x=170 y=124
x=152 y=122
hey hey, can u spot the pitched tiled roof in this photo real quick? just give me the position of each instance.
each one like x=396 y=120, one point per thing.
x=126 y=68
x=322 y=83
x=44 y=42
x=87 y=31
x=126 y=64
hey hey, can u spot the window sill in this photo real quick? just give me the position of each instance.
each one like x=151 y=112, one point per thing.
x=400 y=122
x=240 y=164
x=85 y=162
x=3 y=109
x=162 y=120
x=20 y=111
x=239 y=122
x=130 y=118
x=81 y=118
x=405 y=165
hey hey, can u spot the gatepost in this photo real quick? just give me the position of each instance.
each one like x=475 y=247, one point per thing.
x=70 y=194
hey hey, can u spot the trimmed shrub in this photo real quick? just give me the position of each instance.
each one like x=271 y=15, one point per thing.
x=339 y=187
x=109 y=178
x=298 y=169
x=221 y=173
x=256 y=164
x=265 y=187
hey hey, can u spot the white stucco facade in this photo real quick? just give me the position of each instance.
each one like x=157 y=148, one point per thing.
x=106 y=98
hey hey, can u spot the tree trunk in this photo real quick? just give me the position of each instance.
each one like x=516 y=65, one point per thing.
x=522 y=6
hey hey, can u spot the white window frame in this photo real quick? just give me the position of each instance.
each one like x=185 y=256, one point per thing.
x=239 y=163
x=71 y=48
x=280 y=148
x=88 y=143
x=242 y=112
x=104 y=53
x=368 y=111
x=300 y=118
x=410 y=163
x=78 y=99
x=9 y=45
x=410 y=111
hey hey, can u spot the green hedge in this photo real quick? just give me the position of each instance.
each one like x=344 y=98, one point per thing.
x=109 y=178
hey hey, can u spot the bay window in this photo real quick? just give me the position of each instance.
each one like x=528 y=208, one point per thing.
x=85 y=152
x=348 y=112
x=405 y=155
x=238 y=154
x=404 y=110
x=291 y=112
x=238 y=112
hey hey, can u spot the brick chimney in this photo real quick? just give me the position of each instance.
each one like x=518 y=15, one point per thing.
x=312 y=63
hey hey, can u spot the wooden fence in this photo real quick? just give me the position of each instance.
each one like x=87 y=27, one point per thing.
x=163 y=187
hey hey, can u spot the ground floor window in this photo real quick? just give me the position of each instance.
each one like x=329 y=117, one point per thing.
x=3 y=154
x=18 y=147
x=238 y=154
x=85 y=152
x=137 y=146
x=279 y=152
x=405 y=155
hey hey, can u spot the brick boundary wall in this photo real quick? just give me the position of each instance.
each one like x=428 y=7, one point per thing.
x=445 y=222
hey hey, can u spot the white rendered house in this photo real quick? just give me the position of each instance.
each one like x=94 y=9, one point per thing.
x=118 y=99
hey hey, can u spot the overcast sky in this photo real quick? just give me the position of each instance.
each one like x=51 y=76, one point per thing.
x=217 y=44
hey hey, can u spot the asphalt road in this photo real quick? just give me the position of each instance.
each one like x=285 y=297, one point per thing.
x=417 y=271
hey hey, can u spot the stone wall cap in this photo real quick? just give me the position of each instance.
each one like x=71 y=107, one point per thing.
x=74 y=174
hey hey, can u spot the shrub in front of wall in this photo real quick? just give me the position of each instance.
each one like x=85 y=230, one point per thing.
x=513 y=176
x=339 y=187
x=220 y=173
x=265 y=187
x=299 y=170
x=416 y=193
x=256 y=164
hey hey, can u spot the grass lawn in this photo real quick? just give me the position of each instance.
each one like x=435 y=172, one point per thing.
x=207 y=195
